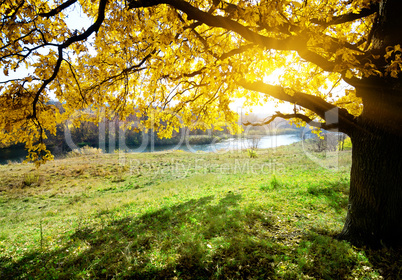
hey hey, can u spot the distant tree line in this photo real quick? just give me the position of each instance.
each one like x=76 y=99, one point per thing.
x=108 y=135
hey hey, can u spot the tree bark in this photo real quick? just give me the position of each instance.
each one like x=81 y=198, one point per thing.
x=375 y=202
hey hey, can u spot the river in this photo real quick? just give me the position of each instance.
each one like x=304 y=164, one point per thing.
x=18 y=154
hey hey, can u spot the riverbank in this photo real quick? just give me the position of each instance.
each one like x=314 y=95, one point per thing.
x=194 y=143
x=179 y=215
x=18 y=153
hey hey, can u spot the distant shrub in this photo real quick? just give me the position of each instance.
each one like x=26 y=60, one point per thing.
x=324 y=142
x=30 y=179
x=86 y=150
x=347 y=145
x=252 y=153
x=254 y=141
x=344 y=143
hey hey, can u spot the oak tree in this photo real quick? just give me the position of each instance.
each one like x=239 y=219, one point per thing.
x=182 y=62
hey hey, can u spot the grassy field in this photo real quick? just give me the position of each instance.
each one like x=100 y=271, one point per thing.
x=176 y=215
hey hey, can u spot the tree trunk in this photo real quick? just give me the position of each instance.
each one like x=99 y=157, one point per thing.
x=375 y=202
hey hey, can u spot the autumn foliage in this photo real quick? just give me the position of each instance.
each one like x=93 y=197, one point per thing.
x=179 y=63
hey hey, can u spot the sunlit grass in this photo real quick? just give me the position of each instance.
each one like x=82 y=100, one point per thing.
x=178 y=215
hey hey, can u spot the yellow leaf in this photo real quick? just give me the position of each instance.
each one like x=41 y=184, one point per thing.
x=349 y=74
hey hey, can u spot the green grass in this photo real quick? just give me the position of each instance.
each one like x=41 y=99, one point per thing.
x=176 y=215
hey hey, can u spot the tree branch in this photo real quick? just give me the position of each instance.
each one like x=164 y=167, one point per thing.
x=311 y=102
x=236 y=51
x=58 y=9
x=294 y=43
x=192 y=74
x=294 y=116
x=348 y=17
x=297 y=43
x=316 y=104
x=93 y=28
x=76 y=81
x=216 y=21
x=302 y=117
x=123 y=72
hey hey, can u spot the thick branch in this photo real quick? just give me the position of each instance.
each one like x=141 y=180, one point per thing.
x=58 y=9
x=239 y=50
x=302 y=117
x=291 y=43
x=194 y=73
x=348 y=17
x=216 y=21
x=310 y=102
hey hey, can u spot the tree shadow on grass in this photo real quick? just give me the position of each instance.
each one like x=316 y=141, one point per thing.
x=198 y=239
x=388 y=262
x=336 y=193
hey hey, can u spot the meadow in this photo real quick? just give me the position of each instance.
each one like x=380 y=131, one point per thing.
x=178 y=215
